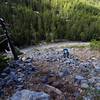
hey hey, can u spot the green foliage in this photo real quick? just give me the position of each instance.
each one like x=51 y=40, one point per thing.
x=33 y=21
x=3 y=62
x=95 y=45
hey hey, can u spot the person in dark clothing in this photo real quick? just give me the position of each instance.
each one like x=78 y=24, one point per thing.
x=66 y=53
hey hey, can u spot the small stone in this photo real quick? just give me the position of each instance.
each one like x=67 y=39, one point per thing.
x=97 y=68
x=9 y=82
x=76 y=94
x=97 y=79
x=15 y=64
x=13 y=76
x=64 y=73
x=45 y=79
x=68 y=62
x=97 y=84
x=78 y=79
x=19 y=79
x=19 y=70
x=7 y=70
x=28 y=60
x=98 y=88
x=20 y=86
x=84 y=81
x=3 y=75
x=87 y=98
x=24 y=58
x=84 y=85
x=91 y=80
x=21 y=65
x=93 y=58
x=20 y=74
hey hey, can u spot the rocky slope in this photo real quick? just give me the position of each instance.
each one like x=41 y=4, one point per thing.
x=47 y=70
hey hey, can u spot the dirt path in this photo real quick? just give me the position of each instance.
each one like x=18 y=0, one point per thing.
x=57 y=46
x=80 y=49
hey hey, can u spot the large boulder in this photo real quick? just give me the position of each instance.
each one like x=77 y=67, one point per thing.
x=29 y=95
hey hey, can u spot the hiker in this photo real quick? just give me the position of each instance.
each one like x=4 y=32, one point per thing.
x=66 y=53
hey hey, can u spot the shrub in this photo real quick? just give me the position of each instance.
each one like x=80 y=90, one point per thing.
x=3 y=61
x=95 y=45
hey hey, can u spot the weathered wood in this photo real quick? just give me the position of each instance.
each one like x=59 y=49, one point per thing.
x=8 y=38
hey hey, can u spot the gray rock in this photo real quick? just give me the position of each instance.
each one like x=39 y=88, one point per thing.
x=28 y=60
x=20 y=74
x=91 y=80
x=88 y=98
x=97 y=88
x=20 y=86
x=14 y=64
x=84 y=85
x=78 y=79
x=77 y=94
x=9 y=82
x=68 y=62
x=84 y=81
x=72 y=61
x=3 y=75
x=13 y=76
x=19 y=70
x=97 y=84
x=19 y=79
x=29 y=95
x=64 y=73
x=7 y=70
x=97 y=68
x=97 y=79
x=21 y=65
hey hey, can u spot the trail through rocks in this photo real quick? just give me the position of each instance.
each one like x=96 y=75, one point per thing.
x=45 y=69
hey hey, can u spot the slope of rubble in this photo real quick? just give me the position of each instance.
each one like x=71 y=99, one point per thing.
x=49 y=71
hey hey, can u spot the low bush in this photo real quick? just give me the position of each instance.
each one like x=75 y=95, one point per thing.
x=95 y=45
x=3 y=61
